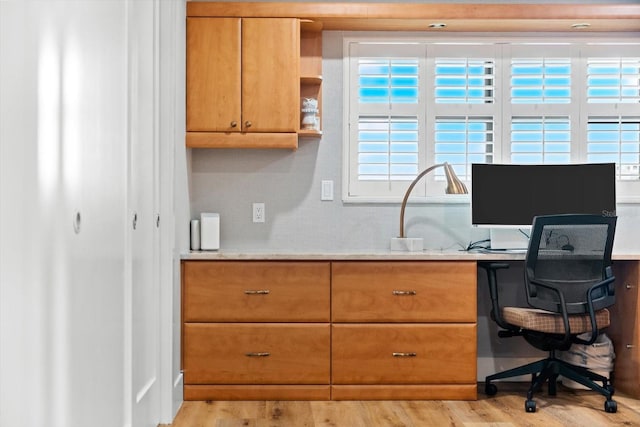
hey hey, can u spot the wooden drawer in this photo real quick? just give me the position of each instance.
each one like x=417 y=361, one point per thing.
x=404 y=354
x=292 y=353
x=230 y=291
x=404 y=291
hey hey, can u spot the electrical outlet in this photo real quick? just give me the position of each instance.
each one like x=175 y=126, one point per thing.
x=258 y=212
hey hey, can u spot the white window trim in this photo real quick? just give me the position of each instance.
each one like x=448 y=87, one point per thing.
x=627 y=191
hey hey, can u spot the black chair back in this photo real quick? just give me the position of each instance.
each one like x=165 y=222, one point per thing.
x=569 y=258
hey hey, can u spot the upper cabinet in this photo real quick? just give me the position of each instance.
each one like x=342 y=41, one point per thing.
x=243 y=82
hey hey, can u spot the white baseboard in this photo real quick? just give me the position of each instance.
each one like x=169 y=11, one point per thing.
x=178 y=394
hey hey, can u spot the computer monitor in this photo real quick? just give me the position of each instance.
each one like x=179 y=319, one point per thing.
x=506 y=197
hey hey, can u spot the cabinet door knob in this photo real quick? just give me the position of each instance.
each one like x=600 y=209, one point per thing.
x=257 y=292
x=234 y=124
x=403 y=293
x=404 y=354
x=258 y=354
x=247 y=124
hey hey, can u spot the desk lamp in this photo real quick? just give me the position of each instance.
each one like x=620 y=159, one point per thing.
x=454 y=186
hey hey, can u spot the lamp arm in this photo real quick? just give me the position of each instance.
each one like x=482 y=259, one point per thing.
x=408 y=192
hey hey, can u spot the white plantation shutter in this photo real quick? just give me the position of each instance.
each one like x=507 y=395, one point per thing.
x=461 y=141
x=615 y=139
x=540 y=80
x=611 y=113
x=464 y=80
x=412 y=103
x=461 y=127
x=386 y=118
x=387 y=148
x=613 y=80
x=537 y=140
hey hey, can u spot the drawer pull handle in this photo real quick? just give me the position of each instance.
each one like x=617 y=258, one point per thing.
x=628 y=286
x=258 y=354
x=404 y=354
x=630 y=346
x=403 y=293
x=258 y=292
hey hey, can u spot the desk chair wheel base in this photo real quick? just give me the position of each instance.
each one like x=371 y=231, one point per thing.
x=530 y=405
x=610 y=406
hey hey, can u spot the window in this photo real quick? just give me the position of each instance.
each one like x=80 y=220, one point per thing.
x=411 y=103
x=615 y=139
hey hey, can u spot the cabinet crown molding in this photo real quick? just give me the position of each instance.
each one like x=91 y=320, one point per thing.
x=458 y=17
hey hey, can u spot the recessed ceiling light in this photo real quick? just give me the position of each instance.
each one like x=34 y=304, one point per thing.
x=437 y=25
x=580 y=25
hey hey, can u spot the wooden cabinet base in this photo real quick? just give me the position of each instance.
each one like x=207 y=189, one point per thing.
x=241 y=140
x=257 y=392
x=405 y=392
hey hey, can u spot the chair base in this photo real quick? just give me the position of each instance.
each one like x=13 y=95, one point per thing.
x=548 y=370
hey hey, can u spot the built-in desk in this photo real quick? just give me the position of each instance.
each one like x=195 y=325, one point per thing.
x=352 y=325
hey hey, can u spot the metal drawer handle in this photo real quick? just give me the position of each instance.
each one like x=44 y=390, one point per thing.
x=257 y=292
x=258 y=354
x=630 y=346
x=404 y=354
x=402 y=293
x=628 y=286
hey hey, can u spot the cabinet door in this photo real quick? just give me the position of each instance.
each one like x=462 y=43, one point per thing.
x=625 y=327
x=213 y=74
x=270 y=74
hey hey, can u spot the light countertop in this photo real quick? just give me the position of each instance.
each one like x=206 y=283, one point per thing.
x=382 y=255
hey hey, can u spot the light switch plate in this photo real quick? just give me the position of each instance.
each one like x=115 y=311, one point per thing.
x=327 y=190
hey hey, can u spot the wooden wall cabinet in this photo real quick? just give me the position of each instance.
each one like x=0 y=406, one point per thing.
x=243 y=79
x=625 y=328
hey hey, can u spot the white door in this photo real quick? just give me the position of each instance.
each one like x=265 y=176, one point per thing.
x=143 y=202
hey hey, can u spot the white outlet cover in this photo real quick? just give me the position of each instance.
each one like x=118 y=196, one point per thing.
x=327 y=190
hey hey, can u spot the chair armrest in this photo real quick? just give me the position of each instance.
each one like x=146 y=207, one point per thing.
x=492 y=278
x=566 y=341
x=610 y=278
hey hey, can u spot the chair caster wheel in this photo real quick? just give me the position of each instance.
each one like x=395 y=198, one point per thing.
x=490 y=389
x=610 y=406
x=530 y=406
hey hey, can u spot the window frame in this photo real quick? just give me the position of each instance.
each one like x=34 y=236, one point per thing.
x=505 y=46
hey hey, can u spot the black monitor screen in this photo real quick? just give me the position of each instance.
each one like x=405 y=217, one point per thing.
x=514 y=194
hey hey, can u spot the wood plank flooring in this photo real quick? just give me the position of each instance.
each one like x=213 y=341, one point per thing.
x=506 y=409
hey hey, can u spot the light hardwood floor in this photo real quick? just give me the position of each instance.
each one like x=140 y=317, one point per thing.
x=506 y=409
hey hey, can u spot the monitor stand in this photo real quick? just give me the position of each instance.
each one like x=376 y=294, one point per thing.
x=510 y=238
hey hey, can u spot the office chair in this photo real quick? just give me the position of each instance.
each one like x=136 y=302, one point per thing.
x=568 y=283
